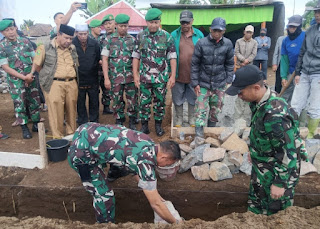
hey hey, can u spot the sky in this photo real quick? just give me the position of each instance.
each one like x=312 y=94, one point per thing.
x=42 y=11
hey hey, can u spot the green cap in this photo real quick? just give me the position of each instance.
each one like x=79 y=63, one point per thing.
x=153 y=14
x=122 y=19
x=95 y=23
x=5 y=24
x=108 y=17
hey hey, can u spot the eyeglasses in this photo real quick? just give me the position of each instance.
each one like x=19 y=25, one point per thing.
x=184 y=23
x=292 y=26
x=217 y=31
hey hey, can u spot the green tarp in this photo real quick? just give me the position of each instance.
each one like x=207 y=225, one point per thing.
x=235 y=17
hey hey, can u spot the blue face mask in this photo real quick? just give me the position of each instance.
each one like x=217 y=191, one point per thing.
x=262 y=34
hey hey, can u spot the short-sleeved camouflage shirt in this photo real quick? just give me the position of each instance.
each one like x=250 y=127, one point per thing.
x=154 y=51
x=17 y=54
x=119 y=52
x=96 y=144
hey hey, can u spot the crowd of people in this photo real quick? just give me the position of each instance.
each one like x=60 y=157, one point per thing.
x=78 y=61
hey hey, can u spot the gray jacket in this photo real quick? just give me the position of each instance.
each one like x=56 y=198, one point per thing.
x=212 y=63
x=277 y=51
x=309 y=57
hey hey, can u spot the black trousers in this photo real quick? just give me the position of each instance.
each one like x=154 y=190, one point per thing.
x=264 y=67
x=93 y=94
x=278 y=85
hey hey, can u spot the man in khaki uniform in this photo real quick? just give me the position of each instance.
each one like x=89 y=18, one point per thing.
x=58 y=62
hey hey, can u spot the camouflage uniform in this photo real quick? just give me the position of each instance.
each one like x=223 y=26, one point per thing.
x=209 y=98
x=106 y=94
x=97 y=144
x=18 y=55
x=119 y=51
x=276 y=151
x=154 y=52
x=53 y=33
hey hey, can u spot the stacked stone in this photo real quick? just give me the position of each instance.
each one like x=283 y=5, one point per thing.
x=218 y=158
x=4 y=87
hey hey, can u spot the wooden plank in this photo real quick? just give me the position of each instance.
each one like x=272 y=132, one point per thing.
x=43 y=143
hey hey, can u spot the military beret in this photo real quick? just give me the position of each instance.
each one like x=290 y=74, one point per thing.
x=5 y=24
x=153 y=14
x=108 y=17
x=95 y=23
x=122 y=19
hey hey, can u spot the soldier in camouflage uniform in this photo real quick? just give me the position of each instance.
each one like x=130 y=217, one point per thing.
x=154 y=49
x=109 y=25
x=94 y=145
x=95 y=30
x=16 y=54
x=117 y=65
x=276 y=148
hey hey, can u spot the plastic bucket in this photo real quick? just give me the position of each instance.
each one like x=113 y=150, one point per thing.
x=168 y=173
x=57 y=149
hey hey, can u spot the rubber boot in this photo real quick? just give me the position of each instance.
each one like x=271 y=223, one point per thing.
x=120 y=121
x=145 y=127
x=132 y=123
x=211 y=124
x=35 y=127
x=26 y=132
x=199 y=131
x=107 y=110
x=179 y=115
x=159 y=130
x=312 y=127
x=191 y=118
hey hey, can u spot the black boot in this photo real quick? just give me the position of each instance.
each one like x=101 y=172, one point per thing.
x=35 y=127
x=120 y=121
x=107 y=110
x=145 y=127
x=116 y=172
x=159 y=130
x=211 y=124
x=199 y=131
x=26 y=132
x=132 y=123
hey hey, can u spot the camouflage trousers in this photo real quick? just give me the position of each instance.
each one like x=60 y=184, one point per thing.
x=103 y=195
x=106 y=94
x=25 y=98
x=212 y=99
x=260 y=201
x=119 y=104
x=156 y=92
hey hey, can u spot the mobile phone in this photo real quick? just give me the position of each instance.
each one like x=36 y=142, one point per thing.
x=84 y=5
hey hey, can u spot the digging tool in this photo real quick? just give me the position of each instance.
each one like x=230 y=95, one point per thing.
x=288 y=83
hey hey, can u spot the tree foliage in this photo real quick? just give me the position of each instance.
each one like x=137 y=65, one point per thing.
x=308 y=15
x=95 y=6
x=204 y=2
x=26 y=24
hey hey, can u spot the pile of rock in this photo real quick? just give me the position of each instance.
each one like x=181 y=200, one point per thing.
x=4 y=87
x=219 y=158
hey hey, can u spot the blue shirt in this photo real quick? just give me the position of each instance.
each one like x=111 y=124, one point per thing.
x=291 y=48
x=262 y=52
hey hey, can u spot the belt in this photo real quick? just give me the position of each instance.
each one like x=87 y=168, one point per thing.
x=85 y=87
x=65 y=80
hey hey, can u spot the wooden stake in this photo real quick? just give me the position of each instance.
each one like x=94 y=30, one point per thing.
x=43 y=143
x=74 y=206
x=65 y=209
x=14 y=205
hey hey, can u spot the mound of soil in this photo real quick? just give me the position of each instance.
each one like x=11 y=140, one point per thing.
x=293 y=217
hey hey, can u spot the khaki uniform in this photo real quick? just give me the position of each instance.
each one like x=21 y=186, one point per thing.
x=62 y=96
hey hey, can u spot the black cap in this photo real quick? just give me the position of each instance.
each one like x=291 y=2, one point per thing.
x=295 y=20
x=244 y=77
x=66 y=29
x=186 y=15
x=218 y=23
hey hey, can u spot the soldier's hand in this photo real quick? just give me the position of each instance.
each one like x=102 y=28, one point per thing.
x=137 y=82
x=74 y=6
x=171 y=82
x=197 y=90
x=107 y=84
x=284 y=82
x=28 y=78
x=276 y=192
x=296 y=80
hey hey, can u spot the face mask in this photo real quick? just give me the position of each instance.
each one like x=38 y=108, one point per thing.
x=262 y=34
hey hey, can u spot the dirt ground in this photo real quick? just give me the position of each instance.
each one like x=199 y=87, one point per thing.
x=293 y=217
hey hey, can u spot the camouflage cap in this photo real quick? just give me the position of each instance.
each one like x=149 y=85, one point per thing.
x=5 y=24
x=153 y=14
x=108 y=17
x=122 y=19
x=95 y=23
